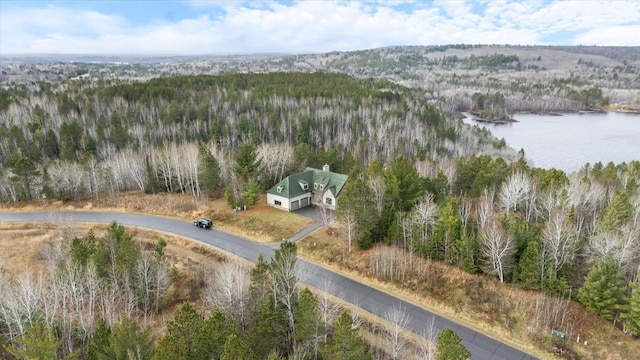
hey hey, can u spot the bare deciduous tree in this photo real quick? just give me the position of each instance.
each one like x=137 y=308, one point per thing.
x=484 y=208
x=397 y=318
x=497 y=248
x=350 y=227
x=425 y=212
x=427 y=343
x=515 y=190
x=559 y=239
x=228 y=289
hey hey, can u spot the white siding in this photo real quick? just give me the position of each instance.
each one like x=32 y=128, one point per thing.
x=284 y=202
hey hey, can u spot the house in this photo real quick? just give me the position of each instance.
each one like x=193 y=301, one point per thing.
x=312 y=186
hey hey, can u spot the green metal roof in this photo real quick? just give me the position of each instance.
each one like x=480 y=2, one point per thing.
x=291 y=186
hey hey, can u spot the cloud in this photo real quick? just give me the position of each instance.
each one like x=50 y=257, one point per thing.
x=215 y=27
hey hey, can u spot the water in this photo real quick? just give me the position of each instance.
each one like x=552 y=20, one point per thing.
x=569 y=141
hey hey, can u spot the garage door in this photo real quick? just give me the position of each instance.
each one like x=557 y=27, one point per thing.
x=295 y=205
x=304 y=202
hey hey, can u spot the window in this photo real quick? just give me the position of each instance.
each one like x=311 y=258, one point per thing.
x=321 y=186
x=315 y=186
x=277 y=202
x=328 y=201
x=279 y=188
x=305 y=186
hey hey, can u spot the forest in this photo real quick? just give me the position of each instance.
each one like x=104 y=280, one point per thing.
x=421 y=182
x=100 y=285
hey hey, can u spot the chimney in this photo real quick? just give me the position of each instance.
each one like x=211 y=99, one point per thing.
x=325 y=167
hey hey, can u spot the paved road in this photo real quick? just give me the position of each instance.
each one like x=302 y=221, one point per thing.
x=363 y=296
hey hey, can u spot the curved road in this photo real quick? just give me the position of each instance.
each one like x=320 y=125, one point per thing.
x=377 y=302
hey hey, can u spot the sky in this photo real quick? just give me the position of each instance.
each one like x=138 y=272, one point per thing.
x=200 y=27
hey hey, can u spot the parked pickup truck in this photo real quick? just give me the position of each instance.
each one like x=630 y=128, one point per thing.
x=203 y=223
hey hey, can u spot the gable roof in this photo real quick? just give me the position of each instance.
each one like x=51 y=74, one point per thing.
x=291 y=186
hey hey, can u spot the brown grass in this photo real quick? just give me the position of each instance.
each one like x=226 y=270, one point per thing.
x=260 y=223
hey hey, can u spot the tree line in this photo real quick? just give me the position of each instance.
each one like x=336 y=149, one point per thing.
x=86 y=141
x=563 y=234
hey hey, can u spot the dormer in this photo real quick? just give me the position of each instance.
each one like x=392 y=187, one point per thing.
x=303 y=184
x=279 y=188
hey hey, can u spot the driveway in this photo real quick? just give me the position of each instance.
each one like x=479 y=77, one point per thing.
x=372 y=300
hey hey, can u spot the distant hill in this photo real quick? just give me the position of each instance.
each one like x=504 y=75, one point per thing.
x=529 y=78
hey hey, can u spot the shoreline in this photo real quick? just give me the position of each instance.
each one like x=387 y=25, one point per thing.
x=474 y=116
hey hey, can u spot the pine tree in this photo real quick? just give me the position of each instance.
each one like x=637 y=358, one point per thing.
x=267 y=330
x=230 y=197
x=214 y=334
x=529 y=269
x=450 y=346
x=181 y=341
x=404 y=185
x=38 y=342
x=246 y=163
x=210 y=172
x=345 y=343
x=128 y=339
x=306 y=316
x=252 y=193
x=98 y=347
x=24 y=175
x=236 y=348
x=616 y=212
x=602 y=292
x=356 y=202
x=632 y=311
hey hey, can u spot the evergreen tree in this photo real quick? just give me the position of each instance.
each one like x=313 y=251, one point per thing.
x=529 y=269
x=230 y=197
x=127 y=253
x=306 y=317
x=98 y=347
x=404 y=185
x=267 y=330
x=128 y=341
x=450 y=346
x=214 y=334
x=616 y=213
x=51 y=148
x=345 y=343
x=445 y=243
x=246 y=163
x=252 y=193
x=24 y=175
x=38 y=342
x=602 y=292
x=632 y=311
x=209 y=173
x=356 y=203
x=181 y=341
x=236 y=348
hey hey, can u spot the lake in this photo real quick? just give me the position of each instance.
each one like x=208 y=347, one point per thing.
x=569 y=141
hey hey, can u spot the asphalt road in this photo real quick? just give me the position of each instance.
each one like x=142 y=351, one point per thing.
x=374 y=301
